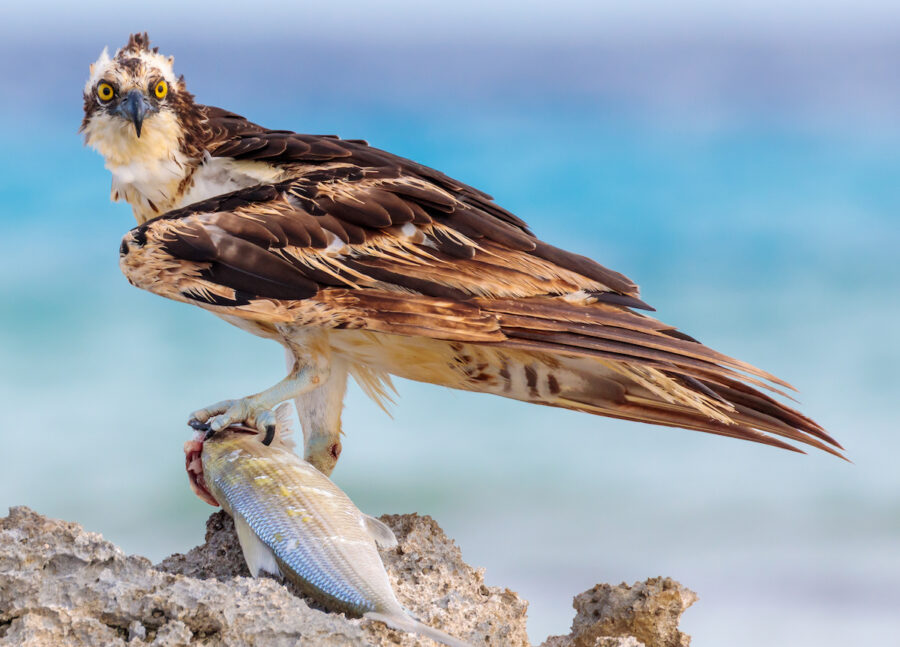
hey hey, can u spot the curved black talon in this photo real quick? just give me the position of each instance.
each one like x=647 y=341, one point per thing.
x=196 y=425
x=270 y=435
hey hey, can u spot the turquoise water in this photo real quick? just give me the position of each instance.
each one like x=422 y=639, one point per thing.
x=770 y=234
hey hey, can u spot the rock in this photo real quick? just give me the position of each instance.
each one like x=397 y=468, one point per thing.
x=646 y=613
x=457 y=600
x=61 y=585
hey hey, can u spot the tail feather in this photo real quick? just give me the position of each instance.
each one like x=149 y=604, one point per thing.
x=718 y=406
x=580 y=345
x=600 y=358
x=621 y=330
x=663 y=376
x=403 y=622
x=680 y=420
x=742 y=394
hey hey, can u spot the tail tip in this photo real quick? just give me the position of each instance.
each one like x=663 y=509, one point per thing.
x=404 y=622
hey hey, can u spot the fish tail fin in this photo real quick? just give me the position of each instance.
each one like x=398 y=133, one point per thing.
x=403 y=622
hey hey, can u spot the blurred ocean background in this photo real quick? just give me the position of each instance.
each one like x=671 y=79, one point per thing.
x=741 y=163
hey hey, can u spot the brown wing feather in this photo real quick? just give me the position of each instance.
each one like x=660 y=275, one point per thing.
x=408 y=191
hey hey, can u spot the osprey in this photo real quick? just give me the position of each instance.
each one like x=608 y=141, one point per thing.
x=363 y=263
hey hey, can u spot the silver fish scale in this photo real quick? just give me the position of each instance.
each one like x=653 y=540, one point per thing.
x=274 y=529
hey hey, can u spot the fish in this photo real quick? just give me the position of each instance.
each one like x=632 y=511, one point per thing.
x=292 y=521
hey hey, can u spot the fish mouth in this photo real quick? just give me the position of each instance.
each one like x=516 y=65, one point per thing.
x=193 y=464
x=193 y=459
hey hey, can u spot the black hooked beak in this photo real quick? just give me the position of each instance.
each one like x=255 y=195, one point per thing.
x=134 y=106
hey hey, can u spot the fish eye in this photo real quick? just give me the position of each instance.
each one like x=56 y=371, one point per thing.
x=105 y=91
x=161 y=90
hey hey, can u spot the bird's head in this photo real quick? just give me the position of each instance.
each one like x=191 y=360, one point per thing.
x=134 y=104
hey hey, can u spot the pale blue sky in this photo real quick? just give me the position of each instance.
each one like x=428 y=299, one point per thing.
x=504 y=19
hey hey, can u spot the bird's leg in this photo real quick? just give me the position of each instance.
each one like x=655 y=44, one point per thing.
x=308 y=371
x=319 y=411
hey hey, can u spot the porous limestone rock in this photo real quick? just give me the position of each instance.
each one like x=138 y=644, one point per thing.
x=427 y=573
x=646 y=613
x=61 y=585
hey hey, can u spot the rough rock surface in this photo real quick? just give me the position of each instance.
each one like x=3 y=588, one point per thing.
x=646 y=613
x=60 y=585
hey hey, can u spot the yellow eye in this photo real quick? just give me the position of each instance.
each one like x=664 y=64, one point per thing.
x=105 y=91
x=161 y=89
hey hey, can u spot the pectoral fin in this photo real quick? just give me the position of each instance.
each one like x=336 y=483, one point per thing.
x=258 y=556
x=383 y=536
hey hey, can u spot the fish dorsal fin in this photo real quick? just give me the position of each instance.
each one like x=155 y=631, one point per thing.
x=258 y=556
x=285 y=425
x=383 y=536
